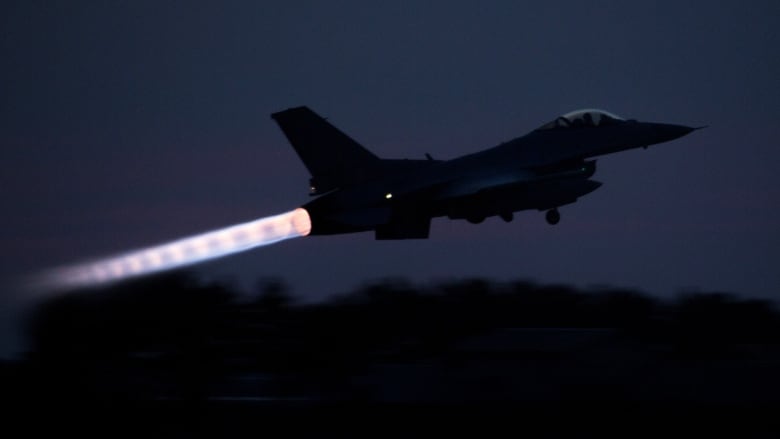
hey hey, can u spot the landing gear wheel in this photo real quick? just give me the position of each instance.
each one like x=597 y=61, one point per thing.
x=475 y=219
x=552 y=216
x=507 y=216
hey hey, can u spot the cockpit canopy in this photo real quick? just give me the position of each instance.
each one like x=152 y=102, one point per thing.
x=589 y=117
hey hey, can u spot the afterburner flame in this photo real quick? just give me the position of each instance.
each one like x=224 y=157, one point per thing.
x=182 y=252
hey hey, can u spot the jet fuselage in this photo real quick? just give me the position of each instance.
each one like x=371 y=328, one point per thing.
x=542 y=170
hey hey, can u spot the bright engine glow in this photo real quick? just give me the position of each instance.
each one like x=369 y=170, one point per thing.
x=186 y=251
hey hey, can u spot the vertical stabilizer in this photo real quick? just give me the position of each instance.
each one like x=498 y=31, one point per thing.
x=333 y=158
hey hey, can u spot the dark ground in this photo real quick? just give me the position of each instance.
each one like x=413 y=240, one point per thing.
x=169 y=356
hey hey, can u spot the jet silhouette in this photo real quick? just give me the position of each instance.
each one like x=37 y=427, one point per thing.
x=547 y=168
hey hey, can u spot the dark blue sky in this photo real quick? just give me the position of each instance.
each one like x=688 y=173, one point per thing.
x=125 y=124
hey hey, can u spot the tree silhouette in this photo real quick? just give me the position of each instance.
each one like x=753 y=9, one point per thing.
x=461 y=342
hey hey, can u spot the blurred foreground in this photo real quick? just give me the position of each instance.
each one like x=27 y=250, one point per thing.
x=192 y=356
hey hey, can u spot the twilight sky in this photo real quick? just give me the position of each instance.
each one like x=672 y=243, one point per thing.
x=125 y=124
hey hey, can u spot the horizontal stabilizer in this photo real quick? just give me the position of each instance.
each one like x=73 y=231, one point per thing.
x=404 y=228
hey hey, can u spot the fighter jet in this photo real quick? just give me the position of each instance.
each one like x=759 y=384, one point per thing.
x=549 y=167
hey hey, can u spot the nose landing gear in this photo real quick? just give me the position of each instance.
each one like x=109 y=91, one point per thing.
x=552 y=216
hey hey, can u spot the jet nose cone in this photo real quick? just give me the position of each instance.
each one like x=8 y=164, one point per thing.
x=664 y=132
